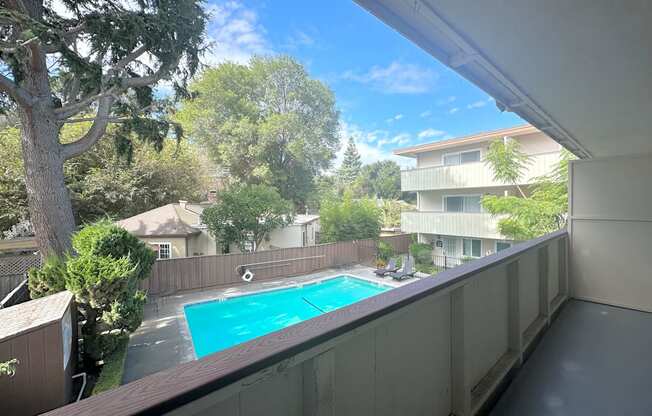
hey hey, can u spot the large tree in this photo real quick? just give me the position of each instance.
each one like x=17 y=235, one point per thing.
x=61 y=60
x=246 y=214
x=266 y=123
x=381 y=179
x=103 y=183
x=349 y=171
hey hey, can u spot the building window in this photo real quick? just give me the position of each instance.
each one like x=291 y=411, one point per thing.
x=471 y=247
x=469 y=156
x=163 y=250
x=304 y=238
x=502 y=245
x=470 y=203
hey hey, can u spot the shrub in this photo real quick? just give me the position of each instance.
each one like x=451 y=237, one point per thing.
x=385 y=251
x=104 y=278
x=349 y=219
x=421 y=252
x=49 y=279
x=111 y=375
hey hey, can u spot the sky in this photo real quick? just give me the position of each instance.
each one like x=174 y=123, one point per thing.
x=389 y=92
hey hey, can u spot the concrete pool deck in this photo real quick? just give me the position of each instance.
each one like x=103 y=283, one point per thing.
x=163 y=339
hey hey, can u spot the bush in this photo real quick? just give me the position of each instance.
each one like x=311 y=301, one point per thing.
x=421 y=252
x=349 y=219
x=111 y=375
x=49 y=279
x=385 y=251
x=104 y=278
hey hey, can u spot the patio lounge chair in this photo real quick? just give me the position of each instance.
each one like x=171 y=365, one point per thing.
x=390 y=268
x=406 y=272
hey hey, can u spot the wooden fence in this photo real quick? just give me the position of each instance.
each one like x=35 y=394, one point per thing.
x=175 y=275
x=13 y=271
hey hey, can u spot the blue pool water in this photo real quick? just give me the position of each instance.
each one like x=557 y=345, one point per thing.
x=218 y=325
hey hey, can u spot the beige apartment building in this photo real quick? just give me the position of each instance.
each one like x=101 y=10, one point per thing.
x=450 y=179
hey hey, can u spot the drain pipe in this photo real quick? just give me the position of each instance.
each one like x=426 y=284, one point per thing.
x=81 y=391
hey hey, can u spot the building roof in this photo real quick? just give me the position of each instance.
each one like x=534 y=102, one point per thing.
x=302 y=219
x=412 y=151
x=170 y=220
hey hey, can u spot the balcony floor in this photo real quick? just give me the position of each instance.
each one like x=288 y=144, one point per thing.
x=593 y=360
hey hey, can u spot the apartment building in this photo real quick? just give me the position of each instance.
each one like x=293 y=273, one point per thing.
x=450 y=179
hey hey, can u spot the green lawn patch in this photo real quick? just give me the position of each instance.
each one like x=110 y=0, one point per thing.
x=111 y=375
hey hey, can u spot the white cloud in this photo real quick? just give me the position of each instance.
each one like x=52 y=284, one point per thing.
x=446 y=100
x=235 y=33
x=298 y=39
x=453 y=110
x=372 y=151
x=397 y=78
x=430 y=133
x=425 y=114
x=393 y=119
x=476 y=104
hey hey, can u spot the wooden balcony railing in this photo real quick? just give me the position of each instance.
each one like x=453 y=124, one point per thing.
x=438 y=346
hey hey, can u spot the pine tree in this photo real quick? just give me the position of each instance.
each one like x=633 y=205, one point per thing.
x=351 y=165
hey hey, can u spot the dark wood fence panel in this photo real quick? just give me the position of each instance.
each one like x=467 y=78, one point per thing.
x=13 y=271
x=176 y=275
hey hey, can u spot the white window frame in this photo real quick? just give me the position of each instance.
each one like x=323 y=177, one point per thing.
x=158 y=252
x=443 y=156
x=471 y=255
x=503 y=242
x=443 y=204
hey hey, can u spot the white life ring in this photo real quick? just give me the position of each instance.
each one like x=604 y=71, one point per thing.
x=248 y=275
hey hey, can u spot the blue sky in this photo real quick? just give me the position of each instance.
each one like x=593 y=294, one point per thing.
x=390 y=93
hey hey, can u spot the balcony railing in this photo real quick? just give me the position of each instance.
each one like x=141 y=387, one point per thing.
x=471 y=175
x=479 y=225
x=441 y=345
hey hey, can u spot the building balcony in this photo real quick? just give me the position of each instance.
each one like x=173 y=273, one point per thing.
x=471 y=175
x=478 y=225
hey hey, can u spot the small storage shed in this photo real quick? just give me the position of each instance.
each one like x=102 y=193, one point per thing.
x=41 y=335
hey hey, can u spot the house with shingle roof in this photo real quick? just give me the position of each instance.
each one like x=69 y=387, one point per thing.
x=175 y=230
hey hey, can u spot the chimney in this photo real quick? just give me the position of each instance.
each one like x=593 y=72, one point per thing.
x=212 y=196
x=183 y=203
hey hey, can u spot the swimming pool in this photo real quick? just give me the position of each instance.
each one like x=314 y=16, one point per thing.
x=220 y=324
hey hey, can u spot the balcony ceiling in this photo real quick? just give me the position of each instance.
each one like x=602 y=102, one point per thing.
x=579 y=70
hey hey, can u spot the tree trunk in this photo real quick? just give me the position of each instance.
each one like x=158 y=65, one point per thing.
x=49 y=201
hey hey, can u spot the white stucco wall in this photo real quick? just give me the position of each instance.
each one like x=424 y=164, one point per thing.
x=611 y=230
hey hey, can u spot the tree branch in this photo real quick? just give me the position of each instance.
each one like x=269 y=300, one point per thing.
x=20 y=95
x=76 y=108
x=97 y=130
x=129 y=58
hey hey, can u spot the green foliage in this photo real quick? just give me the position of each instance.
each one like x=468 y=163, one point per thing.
x=111 y=375
x=247 y=213
x=8 y=368
x=421 y=252
x=544 y=211
x=506 y=160
x=49 y=279
x=103 y=276
x=266 y=123
x=391 y=211
x=171 y=32
x=13 y=194
x=349 y=171
x=103 y=184
x=385 y=251
x=380 y=179
x=349 y=219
